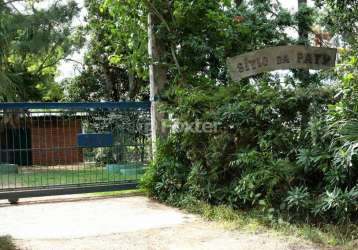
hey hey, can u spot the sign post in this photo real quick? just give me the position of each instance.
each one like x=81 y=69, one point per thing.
x=278 y=58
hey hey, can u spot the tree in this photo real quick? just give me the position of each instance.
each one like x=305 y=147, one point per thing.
x=272 y=142
x=32 y=43
x=116 y=63
x=341 y=18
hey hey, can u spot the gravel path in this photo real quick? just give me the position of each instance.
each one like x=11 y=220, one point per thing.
x=123 y=223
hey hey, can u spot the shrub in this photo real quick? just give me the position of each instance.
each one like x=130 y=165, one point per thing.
x=167 y=174
x=341 y=204
x=298 y=199
x=6 y=243
x=277 y=148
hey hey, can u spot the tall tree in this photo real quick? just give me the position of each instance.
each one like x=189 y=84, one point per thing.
x=116 y=62
x=32 y=43
x=341 y=18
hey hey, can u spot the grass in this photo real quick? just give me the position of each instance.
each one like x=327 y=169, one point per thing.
x=123 y=193
x=63 y=177
x=6 y=243
x=343 y=237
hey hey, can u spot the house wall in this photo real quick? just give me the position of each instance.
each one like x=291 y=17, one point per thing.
x=54 y=141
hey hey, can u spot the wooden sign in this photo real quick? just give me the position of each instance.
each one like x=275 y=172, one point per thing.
x=282 y=57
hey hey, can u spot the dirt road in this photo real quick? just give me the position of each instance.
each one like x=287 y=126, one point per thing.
x=123 y=223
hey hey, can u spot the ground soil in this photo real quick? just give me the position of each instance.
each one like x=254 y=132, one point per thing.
x=78 y=222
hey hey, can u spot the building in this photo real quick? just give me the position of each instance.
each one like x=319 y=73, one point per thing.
x=43 y=140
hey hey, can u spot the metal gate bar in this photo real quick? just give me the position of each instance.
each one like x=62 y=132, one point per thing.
x=66 y=148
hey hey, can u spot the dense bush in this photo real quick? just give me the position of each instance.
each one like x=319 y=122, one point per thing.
x=282 y=143
x=275 y=148
x=6 y=243
x=287 y=144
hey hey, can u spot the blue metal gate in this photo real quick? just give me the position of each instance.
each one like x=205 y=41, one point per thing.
x=67 y=148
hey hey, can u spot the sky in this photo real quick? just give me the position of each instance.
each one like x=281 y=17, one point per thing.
x=69 y=69
x=66 y=69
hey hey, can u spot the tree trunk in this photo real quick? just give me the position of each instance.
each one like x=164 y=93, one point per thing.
x=158 y=78
x=302 y=31
x=303 y=74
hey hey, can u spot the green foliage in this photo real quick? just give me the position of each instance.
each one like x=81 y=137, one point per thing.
x=343 y=204
x=32 y=45
x=341 y=18
x=6 y=243
x=272 y=150
x=167 y=174
x=85 y=87
x=116 y=61
x=298 y=198
x=281 y=145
